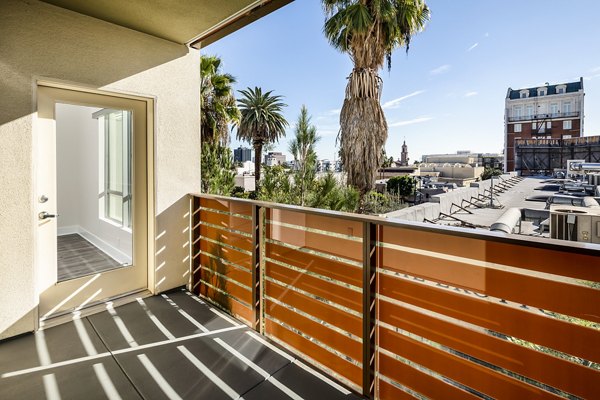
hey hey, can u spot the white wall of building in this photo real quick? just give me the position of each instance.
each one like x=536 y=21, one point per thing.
x=38 y=40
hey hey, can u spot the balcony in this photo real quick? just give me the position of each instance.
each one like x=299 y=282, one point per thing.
x=395 y=310
x=388 y=309
x=574 y=114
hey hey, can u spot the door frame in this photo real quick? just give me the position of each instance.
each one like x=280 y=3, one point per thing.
x=150 y=104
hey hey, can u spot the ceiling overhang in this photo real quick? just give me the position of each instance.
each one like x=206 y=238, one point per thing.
x=192 y=22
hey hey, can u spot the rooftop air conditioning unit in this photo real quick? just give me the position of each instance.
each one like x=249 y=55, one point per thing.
x=578 y=224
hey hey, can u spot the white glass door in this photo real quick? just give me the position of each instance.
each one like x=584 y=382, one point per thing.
x=92 y=193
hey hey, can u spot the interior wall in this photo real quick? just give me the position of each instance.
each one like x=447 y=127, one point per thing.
x=78 y=182
x=39 y=40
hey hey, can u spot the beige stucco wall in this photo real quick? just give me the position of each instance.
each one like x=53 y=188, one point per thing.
x=38 y=40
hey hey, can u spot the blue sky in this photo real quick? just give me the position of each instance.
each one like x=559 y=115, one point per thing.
x=448 y=92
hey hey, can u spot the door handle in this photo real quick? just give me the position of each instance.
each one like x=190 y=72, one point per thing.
x=45 y=215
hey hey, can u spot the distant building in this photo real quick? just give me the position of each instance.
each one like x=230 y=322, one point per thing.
x=337 y=166
x=404 y=155
x=547 y=156
x=324 y=165
x=543 y=112
x=492 y=160
x=242 y=154
x=460 y=168
x=274 y=158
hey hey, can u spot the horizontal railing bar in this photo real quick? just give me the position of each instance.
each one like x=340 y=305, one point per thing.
x=550 y=244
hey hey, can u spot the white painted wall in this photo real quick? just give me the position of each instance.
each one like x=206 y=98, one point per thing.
x=38 y=40
x=78 y=182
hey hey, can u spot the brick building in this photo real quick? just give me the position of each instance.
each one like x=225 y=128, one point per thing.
x=543 y=112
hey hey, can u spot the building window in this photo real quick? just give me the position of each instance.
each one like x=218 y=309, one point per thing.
x=517 y=128
x=561 y=89
x=554 y=109
x=549 y=124
x=517 y=112
x=530 y=111
x=567 y=124
x=566 y=136
x=524 y=94
x=116 y=176
x=566 y=107
x=542 y=92
x=533 y=126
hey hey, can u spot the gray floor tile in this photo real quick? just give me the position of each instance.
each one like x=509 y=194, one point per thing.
x=63 y=342
x=309 y=386
x=183 y=376
x=135 y=320
x=76 y=381
x=255 y=351
x=125 y=366
x=203 y=315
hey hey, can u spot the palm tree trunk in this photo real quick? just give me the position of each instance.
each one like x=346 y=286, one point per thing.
x=257 y=163
x=363 y=130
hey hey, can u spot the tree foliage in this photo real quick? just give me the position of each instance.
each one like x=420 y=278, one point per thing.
x=303 y=150
x=332 y=195
x=489 y=172
x=218 y=107
x=262 y=122
x=217 y=169
x=402 y=185
x=368 y=31
x=276 y=185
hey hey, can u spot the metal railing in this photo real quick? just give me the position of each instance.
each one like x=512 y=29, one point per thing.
x=399 y=309
x=572 y=114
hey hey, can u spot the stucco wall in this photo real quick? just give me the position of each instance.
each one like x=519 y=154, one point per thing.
x=38 y=40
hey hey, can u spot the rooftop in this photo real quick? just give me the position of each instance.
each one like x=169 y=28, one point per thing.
x=514 y=197
x=571 y=87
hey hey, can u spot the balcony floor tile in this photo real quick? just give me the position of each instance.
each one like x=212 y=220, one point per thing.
x=169 y=346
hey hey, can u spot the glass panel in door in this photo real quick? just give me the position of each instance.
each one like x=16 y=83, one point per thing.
x=94 y=199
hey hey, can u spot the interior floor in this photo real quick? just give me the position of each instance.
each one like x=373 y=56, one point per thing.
x=77 y=257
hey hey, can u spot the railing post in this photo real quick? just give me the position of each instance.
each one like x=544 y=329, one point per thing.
x=257 y=245
x=369 y=306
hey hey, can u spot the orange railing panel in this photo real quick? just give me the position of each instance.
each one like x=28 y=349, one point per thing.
x=333 y=269
x=318 y=309
x=400 y=310
x=227 y=221
x=416 y=380
x=222 y=258
x=338 y=365
x=327 y=290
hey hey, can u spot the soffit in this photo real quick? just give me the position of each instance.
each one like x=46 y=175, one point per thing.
x=180 y=21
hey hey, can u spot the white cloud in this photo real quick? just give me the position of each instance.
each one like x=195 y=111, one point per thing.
x=396 y=102
x=327 y=129
x=471 y=94
x=329 y=115
x=440 y=70
x=410 y=122
x=487 y=34
x=473 y=46
x=597 y=69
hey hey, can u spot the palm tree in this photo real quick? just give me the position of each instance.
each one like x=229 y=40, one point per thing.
x=302 y=148
x=217 y=101
x=261 y=122
x=368 y=30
